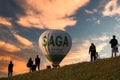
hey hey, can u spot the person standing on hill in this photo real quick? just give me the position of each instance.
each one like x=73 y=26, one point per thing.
x=10 y=69
x=114 y=44
x=29 y=64
x=92 y=51
x=37 y=62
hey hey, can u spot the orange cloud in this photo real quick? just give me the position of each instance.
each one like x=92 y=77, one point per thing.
x=5 y=21
x=9 y=47
x=51 y=14
x=5 y=58
x=112 y=8
x=20 y=67
x=27 y=43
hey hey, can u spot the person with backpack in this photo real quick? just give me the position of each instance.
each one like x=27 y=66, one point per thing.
x=114 y=44
x=29 y=64
x=37 y=62
x=92 y=52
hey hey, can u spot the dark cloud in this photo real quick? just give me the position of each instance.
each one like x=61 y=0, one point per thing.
x=30 y=33
x=6 y=34
x=10 y=8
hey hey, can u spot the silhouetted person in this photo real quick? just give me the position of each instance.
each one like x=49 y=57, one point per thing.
x=92 y=51
x=37 y=62
x=29 y=64
x=10 y=69
x=33 y=67
x=114 y=44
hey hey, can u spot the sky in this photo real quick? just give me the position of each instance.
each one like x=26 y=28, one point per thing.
x=87 y=21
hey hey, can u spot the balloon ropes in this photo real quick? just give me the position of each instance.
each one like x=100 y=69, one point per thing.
x=55 y=44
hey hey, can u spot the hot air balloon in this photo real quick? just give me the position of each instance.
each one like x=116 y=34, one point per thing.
x=55 y=44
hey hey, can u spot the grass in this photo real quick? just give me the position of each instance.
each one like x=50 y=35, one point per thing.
x=104 y=69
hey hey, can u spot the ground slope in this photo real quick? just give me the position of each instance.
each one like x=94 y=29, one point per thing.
x=104 y=69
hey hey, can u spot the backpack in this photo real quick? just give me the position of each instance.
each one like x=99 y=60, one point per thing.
x=28 y=64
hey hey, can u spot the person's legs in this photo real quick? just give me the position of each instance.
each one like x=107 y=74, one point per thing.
x=30 y=69
x=115 y=54
x=11 y=73
x=38 y=67
x=92 y=56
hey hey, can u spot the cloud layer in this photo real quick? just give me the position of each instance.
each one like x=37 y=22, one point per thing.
x=5 y=21
x=24 y=42
x=112 y=8
x=50 y=14
x=9 y=47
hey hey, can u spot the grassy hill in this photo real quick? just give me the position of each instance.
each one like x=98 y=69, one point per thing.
x=104 y=69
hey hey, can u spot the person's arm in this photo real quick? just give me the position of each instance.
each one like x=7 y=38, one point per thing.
x=110 y=42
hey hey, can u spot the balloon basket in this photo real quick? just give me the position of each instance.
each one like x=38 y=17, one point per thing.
x=55 y=65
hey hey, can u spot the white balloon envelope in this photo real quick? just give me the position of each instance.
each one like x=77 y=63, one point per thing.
x=55 y=44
